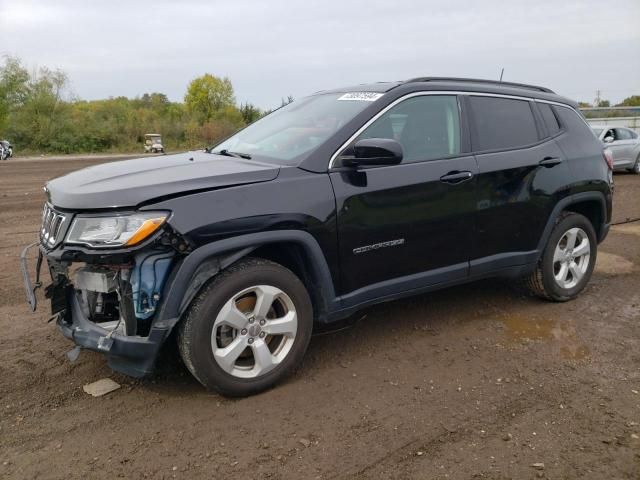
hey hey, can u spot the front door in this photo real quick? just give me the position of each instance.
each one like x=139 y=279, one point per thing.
x=406 y=226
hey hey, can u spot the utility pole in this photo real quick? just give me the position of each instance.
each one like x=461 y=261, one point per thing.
x=596 y=102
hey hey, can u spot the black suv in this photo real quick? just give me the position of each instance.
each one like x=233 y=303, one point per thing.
x=340 y=200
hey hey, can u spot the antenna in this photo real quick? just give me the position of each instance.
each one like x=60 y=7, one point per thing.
x=501 y=73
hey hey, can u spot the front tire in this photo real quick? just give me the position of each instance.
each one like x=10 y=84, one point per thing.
x=248 y=329
x=636 y=167
x=568 y=260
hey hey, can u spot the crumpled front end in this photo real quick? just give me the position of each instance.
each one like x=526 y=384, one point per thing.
x=107 y=299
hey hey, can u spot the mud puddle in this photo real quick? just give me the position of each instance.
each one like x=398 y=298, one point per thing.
x=611 y=264
x=628 y=228
x=561 y=334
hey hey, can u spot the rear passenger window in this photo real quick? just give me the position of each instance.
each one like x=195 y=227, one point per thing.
x=550 y=119
x=502 y=123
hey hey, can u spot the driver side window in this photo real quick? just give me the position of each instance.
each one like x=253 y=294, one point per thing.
x=427 y=127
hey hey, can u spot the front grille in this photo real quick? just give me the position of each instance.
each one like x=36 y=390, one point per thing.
x=52 y=223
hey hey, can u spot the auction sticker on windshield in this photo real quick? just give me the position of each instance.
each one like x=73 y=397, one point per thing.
x=361 y=96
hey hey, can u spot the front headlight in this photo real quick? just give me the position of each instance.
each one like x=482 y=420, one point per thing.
x=116 y=231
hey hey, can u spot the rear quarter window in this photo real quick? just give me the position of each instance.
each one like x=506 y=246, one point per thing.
x=580 y=141
x=549 y=117
x=502 y=123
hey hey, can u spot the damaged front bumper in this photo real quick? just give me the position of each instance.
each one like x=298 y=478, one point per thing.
x=133 y=354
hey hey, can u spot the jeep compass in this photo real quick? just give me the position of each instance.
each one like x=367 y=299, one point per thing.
x=335 y=202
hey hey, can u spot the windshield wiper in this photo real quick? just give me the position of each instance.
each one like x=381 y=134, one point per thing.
x=227 y=153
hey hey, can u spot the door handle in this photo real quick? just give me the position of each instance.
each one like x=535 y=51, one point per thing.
x=549 y=162
x=456 y=177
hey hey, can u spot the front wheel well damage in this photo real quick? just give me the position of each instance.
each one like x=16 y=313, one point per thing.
x=292 y=256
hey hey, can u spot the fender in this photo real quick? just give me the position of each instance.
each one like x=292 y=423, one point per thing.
x=567 y=202
x=205 y=262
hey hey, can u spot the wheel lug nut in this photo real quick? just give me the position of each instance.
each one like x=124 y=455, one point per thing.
x=243 y=331
x=262 y=322
x=251 y=320
x=250 y=340
x=261 y=334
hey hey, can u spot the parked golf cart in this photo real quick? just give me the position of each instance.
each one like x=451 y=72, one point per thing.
x=153 y=143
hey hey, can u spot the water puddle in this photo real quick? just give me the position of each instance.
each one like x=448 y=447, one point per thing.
x=629 y=228
x=611 y=264
x=561 y=334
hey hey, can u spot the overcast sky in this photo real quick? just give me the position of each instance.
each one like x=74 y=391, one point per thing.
x=274 y=48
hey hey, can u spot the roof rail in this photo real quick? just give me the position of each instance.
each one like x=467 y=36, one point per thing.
x=478 y=80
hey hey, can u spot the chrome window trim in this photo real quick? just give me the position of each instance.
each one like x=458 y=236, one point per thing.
x=437 y=92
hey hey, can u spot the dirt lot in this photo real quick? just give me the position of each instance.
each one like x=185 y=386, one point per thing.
x=471 y=382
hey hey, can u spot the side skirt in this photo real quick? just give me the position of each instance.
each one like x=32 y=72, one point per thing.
x=507 y=272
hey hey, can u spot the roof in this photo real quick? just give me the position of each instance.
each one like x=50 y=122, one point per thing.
x=461 y=84
x=480 y=81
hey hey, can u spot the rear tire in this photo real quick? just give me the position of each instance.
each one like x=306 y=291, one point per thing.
x=567 y=261
x=248 y=329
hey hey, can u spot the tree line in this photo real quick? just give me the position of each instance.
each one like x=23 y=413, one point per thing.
x=37 y=114
x=632 y=101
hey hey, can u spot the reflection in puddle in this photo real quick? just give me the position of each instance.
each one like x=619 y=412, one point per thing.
x=562 y=334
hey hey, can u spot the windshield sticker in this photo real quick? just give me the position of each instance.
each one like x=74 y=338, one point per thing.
x=361 y=96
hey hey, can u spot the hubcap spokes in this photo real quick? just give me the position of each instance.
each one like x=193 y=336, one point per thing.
x=254 y=331
x=571 y=258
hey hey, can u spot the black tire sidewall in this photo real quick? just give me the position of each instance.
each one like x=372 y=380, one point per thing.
x=210 y=374
x=551 y=287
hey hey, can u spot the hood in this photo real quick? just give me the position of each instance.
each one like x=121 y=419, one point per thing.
x=131 y=182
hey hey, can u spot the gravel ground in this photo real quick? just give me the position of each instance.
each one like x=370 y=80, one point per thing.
x=476 y=381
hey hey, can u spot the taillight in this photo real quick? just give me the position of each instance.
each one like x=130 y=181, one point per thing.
x=608 y=157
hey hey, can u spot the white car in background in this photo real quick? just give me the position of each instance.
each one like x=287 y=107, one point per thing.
x=624 y=144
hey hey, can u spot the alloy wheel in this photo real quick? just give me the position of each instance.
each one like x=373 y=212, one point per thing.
x=254 y=331
x=571 y=258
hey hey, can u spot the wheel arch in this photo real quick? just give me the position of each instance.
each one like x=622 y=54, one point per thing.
x=590 y=204
x=294 y=249
x=592 y=209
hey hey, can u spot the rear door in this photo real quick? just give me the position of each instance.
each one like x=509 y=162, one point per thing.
x=522 y=174
x=406 y=226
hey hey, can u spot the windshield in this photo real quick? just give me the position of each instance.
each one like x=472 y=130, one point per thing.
x=294 y=130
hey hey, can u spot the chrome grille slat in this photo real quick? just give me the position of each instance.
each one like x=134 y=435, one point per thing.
x=52 y=222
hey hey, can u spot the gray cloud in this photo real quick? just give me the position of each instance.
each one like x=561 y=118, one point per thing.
x=271 y=49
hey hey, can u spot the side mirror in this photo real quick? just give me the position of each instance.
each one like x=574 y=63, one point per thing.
x=375 y=152
x=608 y=139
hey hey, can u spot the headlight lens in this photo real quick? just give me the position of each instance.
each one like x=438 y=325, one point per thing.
x=118 y=231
